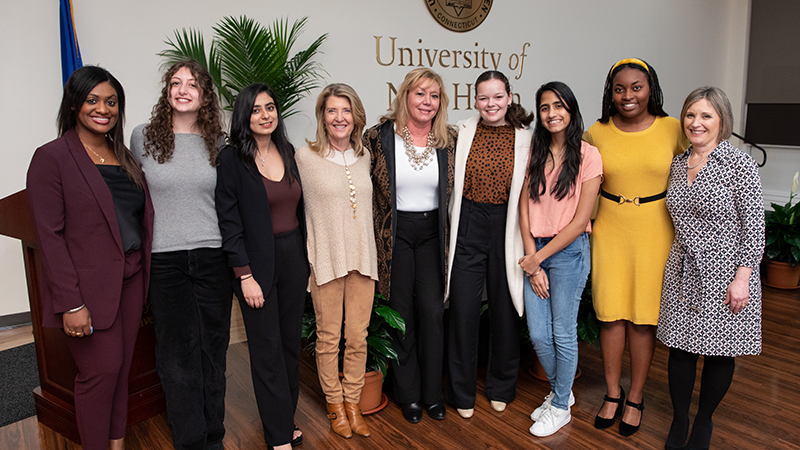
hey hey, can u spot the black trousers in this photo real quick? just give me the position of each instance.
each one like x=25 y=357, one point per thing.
x=479 y=262
x=191 y=294
x=273 y=338
x=417 y=293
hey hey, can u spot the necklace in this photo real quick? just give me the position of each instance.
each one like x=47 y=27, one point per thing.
x=418 y=160
x=351 y=185
x=698 y=162
x=264 y=159
x=102 y=160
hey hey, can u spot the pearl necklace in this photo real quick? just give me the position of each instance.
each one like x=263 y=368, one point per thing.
x=698 y=162
x=418 y=160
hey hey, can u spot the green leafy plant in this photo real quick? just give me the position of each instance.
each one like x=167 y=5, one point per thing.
x=243 y=52
x=379 y=342
x=588 y=324
x=782 y=230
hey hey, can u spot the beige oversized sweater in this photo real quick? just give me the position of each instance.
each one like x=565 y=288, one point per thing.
x=337 y=243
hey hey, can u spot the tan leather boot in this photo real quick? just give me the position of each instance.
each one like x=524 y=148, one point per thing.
x=339 y=423
x=357 y=423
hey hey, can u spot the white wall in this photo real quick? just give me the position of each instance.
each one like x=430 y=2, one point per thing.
x=690 y=43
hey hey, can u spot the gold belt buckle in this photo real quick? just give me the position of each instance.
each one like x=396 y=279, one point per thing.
x=623 y=200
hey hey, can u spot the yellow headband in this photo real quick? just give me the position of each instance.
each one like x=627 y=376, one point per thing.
x=636 y=61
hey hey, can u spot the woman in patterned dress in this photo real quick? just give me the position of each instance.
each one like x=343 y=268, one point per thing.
x=711 y=300
x=632 y=233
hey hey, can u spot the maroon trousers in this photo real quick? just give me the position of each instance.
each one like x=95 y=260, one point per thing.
x=104 y=364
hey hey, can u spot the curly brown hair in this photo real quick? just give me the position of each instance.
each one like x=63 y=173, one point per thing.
x=159 y=139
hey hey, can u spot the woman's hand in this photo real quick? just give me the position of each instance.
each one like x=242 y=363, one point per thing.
x=529 y=264
x=540 y=284
x=252 y=293
x=77 y=324
x=738 y=294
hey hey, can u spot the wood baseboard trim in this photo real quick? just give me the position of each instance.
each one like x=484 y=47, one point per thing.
x=15 y=320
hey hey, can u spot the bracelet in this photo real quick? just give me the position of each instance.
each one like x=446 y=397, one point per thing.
x=537 y=272
x=74 y=310
x=245 y=276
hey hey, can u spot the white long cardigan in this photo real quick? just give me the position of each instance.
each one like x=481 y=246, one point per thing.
x=513 y=239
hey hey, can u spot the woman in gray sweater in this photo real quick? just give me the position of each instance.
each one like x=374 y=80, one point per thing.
x=190 y=285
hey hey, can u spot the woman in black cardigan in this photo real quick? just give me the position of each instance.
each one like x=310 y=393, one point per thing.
x=259 y=204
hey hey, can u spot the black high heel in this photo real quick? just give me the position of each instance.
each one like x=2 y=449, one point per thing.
x=627 y=429
x=298 y=440
x=602 y=423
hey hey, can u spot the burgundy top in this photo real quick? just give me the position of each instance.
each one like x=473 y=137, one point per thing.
x=283 y=201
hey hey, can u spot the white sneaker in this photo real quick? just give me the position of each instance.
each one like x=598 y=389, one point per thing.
x=551 y=420
x=548 y=400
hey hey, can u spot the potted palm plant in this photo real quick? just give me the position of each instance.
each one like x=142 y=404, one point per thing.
x=782 y=243
x=243 y=52
x=379 y=348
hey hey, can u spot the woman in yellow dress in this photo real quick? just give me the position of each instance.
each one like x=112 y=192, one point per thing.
x=633 y=231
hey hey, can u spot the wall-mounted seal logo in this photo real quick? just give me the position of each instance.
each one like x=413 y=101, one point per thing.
x=459 y=15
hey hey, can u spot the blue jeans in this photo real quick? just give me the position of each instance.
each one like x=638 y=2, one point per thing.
x=552 y=322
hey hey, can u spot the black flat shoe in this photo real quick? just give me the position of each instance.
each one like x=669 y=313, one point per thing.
x=627 y=429
x=412 y=412
x=669 y=447
x=602 y=423
x=298 y=440
x=437 y=410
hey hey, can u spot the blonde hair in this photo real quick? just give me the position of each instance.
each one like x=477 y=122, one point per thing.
x=321 y=143
x=719 y=101
x=399 y=113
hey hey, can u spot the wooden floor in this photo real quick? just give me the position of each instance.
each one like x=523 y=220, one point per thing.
x=761 y=410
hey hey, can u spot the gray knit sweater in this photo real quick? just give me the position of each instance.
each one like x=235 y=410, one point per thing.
x=182 y=190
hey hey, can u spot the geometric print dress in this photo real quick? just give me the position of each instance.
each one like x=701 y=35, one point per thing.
x=719 y=226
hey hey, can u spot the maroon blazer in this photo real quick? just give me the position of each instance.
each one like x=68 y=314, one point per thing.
x=78 y=233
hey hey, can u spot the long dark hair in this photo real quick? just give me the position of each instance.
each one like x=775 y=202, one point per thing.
x=540 y=147
x=516 y=115
x=78 y=87
x=159 y=138
x=242 y=140
x=655 y=104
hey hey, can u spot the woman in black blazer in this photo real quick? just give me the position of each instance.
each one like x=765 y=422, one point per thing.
x=259 y=205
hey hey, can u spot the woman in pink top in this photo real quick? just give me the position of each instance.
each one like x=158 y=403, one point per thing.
x=563 y=180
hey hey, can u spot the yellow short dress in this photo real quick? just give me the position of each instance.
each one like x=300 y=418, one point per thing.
x=630 y=243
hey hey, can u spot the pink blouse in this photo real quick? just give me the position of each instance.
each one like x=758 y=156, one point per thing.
x=549 y=216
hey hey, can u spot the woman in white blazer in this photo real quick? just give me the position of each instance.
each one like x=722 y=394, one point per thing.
x=491 y=157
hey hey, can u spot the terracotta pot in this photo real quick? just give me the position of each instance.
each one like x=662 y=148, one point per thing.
x=372 y=397
x=781 y=275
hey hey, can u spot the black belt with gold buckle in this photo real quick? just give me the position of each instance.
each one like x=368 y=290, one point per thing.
x=619 y=199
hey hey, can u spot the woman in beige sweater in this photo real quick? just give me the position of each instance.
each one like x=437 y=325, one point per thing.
x=335 y=169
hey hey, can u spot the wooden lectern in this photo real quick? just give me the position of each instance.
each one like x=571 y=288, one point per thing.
x=55 y=406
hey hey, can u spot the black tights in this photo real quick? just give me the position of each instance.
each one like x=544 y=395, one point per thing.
x=714 y=383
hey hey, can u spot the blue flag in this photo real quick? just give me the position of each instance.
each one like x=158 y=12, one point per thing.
x=70 y=51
